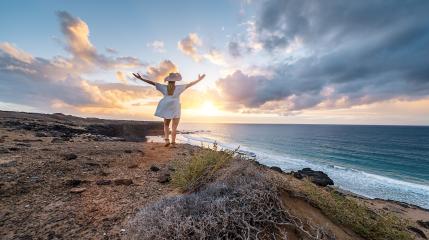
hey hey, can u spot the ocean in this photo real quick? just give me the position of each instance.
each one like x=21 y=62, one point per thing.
x=388 y=162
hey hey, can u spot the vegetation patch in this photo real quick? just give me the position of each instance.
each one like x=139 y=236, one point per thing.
x=359 y=218
x=192 y=173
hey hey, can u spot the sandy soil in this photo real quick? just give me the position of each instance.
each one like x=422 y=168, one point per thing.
x=45 y=196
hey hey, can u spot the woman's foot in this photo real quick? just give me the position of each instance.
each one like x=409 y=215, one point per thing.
x=167 y=142
x=173 y=145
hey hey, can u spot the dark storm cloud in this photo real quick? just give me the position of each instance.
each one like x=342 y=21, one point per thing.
x=358 y=52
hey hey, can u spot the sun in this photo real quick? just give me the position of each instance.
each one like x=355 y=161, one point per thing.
x=208 y=109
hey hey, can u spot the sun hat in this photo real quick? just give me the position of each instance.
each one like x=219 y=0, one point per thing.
x=173 y=77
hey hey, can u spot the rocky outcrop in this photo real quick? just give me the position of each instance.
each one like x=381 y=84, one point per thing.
x=317 y=177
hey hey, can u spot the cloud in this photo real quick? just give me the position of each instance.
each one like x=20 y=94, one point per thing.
x=85 y=55
x=157 y=46
x=51 y=83
x=121 y=77
x=161 y=71
x=377 y=51
x=188 y=46
x=112 y=50
x=16 y=53
x=215 y=57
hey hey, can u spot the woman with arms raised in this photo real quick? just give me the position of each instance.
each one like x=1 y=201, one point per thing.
x=169 y=106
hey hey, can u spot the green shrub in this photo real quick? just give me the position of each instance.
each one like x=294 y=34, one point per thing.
x=200 y=168
x=358 y=217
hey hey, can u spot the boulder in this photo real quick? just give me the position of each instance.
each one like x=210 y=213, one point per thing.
x=317 y=177
x=277 y=169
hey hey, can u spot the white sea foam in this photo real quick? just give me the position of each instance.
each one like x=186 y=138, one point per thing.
x=357 y=181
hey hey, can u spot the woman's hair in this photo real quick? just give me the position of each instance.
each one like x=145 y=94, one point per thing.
x=170 y=87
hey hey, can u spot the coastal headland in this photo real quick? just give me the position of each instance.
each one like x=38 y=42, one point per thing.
x=66 y=177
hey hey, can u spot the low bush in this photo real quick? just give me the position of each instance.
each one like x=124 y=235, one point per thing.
x=358 y=217
x=192 y=173
x=243 y=207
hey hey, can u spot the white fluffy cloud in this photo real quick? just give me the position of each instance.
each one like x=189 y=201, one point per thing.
x=189 y=46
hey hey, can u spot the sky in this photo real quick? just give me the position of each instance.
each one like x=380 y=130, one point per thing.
x=267 y=61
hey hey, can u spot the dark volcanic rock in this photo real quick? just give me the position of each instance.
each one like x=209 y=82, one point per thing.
x=123 y=181
x=154 y=168
x=317 y=177
x=70 y=156
x=103 y=182
x=277 y=169
x=73 y=182
x=164 y=177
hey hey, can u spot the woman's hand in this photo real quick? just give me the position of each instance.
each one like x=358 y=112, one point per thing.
x=201 y=77
x=137 y=75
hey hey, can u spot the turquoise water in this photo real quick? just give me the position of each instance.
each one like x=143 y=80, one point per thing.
x=389 y=162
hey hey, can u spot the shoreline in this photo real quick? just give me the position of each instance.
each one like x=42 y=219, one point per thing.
x=159 y=139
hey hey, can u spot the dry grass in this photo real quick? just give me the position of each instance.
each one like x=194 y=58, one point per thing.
x=243 y=206
x=192 y=173
x=358 y=217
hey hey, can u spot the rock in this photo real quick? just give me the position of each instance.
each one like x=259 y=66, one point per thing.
x=70 y=156
x=23 y=144
x=57 y=140
x=277 y=169
x=7 y=163
x=317 y=177
x=123 y=181
x=73 y=182
x=3 y=150
x=164 y=177
x=297 y=175
x=13 y=149
x=154 y=168
x=417 y=231
x=40 y=134
x=133 y=166
x=78 y=190
x=424 y=224
x=103 y=182
x=128 y=151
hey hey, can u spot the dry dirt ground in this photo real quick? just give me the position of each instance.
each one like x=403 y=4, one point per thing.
x=46 y=196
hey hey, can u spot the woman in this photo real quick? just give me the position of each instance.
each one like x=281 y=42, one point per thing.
x=169 y=106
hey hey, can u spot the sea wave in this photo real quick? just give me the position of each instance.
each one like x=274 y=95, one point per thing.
x=357 y=181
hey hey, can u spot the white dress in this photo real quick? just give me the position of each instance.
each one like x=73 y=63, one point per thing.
x=169 y=106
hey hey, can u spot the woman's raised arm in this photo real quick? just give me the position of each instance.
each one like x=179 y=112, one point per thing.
x=144 y=80
x=200 y=77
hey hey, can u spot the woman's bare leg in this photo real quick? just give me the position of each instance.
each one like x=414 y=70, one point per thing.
x=174 y=129
x=167 y=131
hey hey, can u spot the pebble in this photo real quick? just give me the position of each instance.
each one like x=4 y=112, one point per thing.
x=77 y=190
x=123 y=181
x=70 y=156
